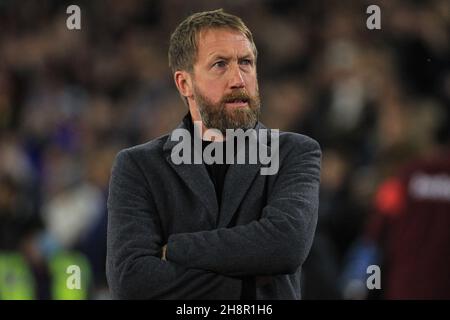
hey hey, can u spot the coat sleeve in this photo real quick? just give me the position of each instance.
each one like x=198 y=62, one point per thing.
x=279 y=242
x=134 y=269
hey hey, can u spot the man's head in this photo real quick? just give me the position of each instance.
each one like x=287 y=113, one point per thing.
x=213 y=58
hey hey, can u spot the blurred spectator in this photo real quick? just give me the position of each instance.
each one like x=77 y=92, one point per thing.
x=407 y=236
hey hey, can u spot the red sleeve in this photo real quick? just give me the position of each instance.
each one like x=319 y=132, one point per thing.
x=389 y=202
x=390 y=197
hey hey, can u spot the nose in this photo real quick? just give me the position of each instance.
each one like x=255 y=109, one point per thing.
x=236 y=78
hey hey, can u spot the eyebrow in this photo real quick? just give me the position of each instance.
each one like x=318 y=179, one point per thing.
x=215 y=56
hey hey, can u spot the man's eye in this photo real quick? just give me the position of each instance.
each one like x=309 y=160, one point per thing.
x=220 y=64
x=247 y=62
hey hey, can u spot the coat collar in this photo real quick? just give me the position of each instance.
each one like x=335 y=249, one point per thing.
x=238 y=180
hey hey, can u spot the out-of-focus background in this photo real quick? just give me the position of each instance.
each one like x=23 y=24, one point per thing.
x=378 y=101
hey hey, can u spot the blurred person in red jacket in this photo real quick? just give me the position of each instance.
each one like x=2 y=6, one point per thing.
x=408 y=235
x=412 y=227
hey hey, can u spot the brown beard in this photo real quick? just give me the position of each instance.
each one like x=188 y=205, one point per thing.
x=218 y=116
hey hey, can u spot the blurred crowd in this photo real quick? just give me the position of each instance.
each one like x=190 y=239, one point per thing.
x=71 y=99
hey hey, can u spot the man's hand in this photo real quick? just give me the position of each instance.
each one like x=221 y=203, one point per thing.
x=163 y=255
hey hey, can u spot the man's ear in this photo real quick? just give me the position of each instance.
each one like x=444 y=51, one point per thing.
x=183 y=81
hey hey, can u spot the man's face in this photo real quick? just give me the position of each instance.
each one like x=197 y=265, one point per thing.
x=225 y=87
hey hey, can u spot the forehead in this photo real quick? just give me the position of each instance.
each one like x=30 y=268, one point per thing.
x=225 y=42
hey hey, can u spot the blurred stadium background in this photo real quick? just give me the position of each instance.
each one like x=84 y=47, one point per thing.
x=70 y=100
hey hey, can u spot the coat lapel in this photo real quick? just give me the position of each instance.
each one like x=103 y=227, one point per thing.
x=238 y=180
x=195 y=176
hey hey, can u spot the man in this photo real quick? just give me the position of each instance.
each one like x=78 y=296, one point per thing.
x=410 y=228
x=212 y=231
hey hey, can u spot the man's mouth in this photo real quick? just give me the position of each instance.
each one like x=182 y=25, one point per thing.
x=237 y=103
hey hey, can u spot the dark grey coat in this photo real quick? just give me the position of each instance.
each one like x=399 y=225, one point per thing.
x=264 y=228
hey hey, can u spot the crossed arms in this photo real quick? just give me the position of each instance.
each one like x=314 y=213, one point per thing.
x=208 y=261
